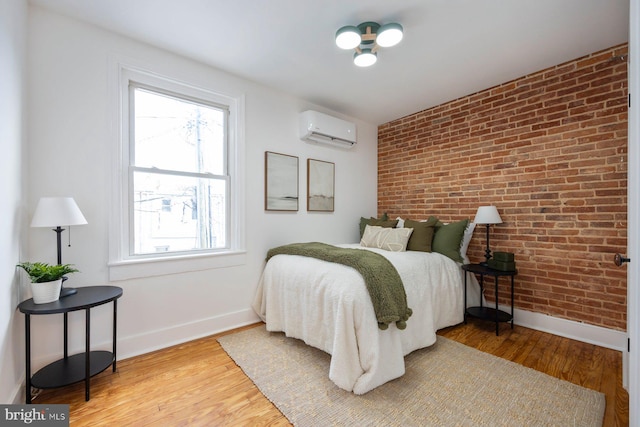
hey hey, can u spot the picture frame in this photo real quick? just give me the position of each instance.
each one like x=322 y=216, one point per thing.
x=320 y=186
x=280 y=182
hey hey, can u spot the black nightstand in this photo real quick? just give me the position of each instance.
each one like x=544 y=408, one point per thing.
x=81 y=366
x=482 y=312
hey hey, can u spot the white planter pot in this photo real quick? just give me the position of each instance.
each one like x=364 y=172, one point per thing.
x=46 y=292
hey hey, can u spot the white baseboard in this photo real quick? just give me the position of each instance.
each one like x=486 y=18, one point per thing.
x=155 y=340
x=603 y=337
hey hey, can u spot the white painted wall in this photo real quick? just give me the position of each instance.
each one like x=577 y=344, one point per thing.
x=70 y=140
x=13 y=23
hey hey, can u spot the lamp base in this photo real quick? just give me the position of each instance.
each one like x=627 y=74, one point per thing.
x=487 y=252
x=65 y=292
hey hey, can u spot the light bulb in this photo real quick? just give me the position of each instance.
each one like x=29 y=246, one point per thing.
x=365 y=59
x=348 y=37
x=389 y=35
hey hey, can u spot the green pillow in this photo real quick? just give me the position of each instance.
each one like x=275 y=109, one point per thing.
x=382 y=222
x=447 y=239
x=422 y=235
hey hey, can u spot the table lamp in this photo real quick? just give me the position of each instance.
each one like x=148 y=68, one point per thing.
x=56 y=212
x=487 y=215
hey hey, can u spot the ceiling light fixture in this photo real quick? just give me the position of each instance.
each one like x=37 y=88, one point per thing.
x=366 y=38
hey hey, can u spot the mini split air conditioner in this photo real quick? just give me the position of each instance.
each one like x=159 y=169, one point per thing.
x=318 y=127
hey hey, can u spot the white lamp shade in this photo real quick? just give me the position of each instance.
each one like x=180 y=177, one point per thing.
x=487 y=215
x=57 y=211
x=389 y=35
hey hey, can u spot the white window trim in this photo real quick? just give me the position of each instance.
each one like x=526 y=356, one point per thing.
x=121 y=265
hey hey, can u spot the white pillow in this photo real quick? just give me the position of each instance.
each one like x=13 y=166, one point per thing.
x=468 y=234
x=389 y=239
x=401 y=222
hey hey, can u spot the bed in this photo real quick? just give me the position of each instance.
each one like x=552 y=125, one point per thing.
x=328 y=306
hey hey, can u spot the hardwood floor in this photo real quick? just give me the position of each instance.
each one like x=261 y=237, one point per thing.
x=197 y=384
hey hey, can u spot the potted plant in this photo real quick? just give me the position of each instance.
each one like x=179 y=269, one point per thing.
x=46 y=280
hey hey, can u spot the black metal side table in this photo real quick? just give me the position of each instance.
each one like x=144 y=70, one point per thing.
x=483 y=312
x=81 y=366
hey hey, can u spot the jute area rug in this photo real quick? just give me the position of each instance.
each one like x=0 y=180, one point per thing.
x=447 y=384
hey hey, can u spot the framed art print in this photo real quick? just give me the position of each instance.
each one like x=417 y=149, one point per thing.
x=280 y=182
x=320 y=185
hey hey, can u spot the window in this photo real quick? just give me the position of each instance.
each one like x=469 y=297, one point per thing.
x=178 y=167
x=180 y=183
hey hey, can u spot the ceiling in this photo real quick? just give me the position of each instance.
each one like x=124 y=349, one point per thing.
x=451 y=48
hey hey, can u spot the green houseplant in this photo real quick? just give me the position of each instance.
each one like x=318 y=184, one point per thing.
x=46 y=279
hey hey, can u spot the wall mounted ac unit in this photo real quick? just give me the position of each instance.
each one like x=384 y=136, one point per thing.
x=322 y=128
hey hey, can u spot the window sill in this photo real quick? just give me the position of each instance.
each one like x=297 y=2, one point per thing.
x=132 y=269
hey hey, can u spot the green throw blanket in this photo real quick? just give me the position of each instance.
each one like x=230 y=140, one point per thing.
x=380 y=276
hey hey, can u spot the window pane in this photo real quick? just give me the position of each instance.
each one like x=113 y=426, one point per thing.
x=174 y=214
x=175 y=134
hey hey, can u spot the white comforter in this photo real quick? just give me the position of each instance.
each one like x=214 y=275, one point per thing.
x=328 y=307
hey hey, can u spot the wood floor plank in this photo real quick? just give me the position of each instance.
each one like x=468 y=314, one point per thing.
x=573 y=354
x=621 y=397
x=537 y=352
x=609 y=383
x=546 y=356
x=529 y=340
x=197 y=384
x=582 y=364
x=556 y=361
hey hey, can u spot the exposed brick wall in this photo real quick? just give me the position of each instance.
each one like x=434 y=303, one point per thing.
x=550 y=151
